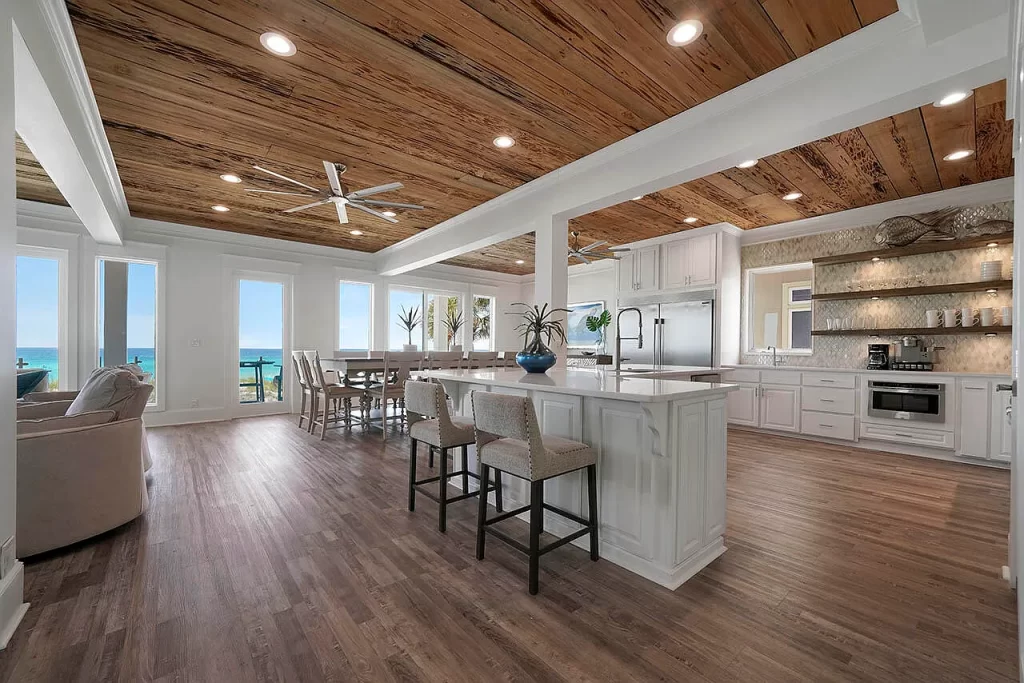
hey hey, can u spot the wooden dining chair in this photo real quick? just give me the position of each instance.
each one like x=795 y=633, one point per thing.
x=482 y=359
x=398 y=365
x=306 y=387
x=337 y=398
x=508 y=359
x=445 y=360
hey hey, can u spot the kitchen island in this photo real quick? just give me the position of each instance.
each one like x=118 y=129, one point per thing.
x=661 y=449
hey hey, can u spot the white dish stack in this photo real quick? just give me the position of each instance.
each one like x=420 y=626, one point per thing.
x=991 y=271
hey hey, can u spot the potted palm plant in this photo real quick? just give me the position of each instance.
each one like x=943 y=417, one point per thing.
x=599 y=324
x=537 y=329
x=454 y=322
x=409 y=320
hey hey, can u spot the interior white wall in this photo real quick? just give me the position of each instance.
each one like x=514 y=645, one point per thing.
x=197 y=323
x=595 y=282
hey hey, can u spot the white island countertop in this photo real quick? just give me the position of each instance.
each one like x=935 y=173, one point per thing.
x=593 y=382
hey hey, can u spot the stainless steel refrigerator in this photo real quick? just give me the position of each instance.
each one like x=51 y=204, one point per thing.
x=675 y=333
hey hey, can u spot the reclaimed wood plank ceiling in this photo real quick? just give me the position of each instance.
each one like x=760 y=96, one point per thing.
x=407 y=90
x=899 y=156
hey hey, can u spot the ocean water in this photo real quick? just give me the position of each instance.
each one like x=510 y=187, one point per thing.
x=47 y=358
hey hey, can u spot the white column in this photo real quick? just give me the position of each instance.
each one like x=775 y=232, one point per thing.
x=551 y=267
x=12 y=607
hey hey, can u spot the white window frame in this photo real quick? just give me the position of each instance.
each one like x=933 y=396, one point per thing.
x=64 y=351
x=337 y=309
x=235 y=407
x=494 y=315
x=748 y=309
x=424 y=293
x=136 y=253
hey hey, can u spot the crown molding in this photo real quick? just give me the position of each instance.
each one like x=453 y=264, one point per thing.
x=971 y=195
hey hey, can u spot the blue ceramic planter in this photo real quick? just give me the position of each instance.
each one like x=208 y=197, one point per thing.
x=535 y=362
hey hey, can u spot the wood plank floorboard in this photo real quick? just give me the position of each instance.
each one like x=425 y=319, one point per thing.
x=268 y=555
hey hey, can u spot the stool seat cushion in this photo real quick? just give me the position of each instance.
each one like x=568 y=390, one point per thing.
x=457 y=433
x=513 y=456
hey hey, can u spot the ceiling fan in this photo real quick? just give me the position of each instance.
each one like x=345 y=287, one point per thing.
x=339 y=194
x=596 y=251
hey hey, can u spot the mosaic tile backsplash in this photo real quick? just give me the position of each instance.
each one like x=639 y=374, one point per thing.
x=962 y=353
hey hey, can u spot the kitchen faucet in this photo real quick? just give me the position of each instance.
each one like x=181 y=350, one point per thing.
x=618 y=337
x=775 y=358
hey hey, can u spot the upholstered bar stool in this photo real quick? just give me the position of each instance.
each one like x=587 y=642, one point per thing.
x=430 y=423
x=508 y=439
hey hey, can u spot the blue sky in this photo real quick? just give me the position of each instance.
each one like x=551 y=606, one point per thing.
x=38 y=309
x=260 y=314
x=354 y=316
x=397 y=336
x=141 y=305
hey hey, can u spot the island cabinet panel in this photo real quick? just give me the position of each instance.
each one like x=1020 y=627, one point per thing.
x=620 y=432
x=715 y=471
x=562 y=415
x=690 y=446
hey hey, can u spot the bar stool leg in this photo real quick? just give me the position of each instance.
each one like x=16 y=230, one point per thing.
x=536 y=528
x=481 y=515
x=442 y=493
x=592 y=496
x=465 y=469
x=498 y=505
x=412 y=475
x=430 y=458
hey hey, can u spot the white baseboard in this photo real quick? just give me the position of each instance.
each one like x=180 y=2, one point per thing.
x=170 y=418
x=12 y=605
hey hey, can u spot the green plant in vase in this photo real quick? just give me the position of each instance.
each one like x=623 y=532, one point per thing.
x=454 y=322
x=599 y=324
x=538 y=328
x=409 y=321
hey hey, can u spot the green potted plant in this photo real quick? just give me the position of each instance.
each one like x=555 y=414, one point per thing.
x=454 y=322
x=599 y=324
x=409 y=320
x=537 y=329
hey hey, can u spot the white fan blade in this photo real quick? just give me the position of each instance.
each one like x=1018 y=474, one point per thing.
x=619 y=249
x=593 y=246
x=395 y=205
x=308 y=206
x=284 y=177
x=581 y=257
x=293 y=194
x=370 y=211
x=342 y=213
x=375 y=190
x=332 y=177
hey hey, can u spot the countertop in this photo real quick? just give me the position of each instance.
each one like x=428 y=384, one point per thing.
x=593 y=382
x=863 y=371
x=647 y=368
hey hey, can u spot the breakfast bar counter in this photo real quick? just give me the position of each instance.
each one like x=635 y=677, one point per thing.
x=661 y=446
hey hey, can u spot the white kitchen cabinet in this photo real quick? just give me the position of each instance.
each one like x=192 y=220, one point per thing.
x=1001 y=446
x=743 y=405
x=780 y=407
x=689 y=262
x=975 y=423
x=639 y=270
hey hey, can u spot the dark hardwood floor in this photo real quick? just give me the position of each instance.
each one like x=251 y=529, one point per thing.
x=269 y=555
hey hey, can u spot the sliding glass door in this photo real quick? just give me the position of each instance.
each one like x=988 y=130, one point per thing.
x=41 y=323
x=261 y=337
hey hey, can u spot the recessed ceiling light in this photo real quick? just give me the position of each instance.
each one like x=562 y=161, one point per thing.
x=685 y=32
x=958 y=155
x=278 y=44
x=749 y=163
x=953 y=98
x=504 y=141
x=357 y=233
x=690 y=219
x=389 y=214
x=792 y=196
x=993 y=244
x=637 y=198
x=230 y=178
x=520 y=261
x=876 y=259
x=875 y=298
x=220 y=208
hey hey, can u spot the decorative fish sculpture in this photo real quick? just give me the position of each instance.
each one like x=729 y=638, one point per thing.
x=993 y=227
x=900 y=231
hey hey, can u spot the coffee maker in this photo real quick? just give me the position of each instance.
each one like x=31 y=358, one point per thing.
x=878 y=356
x=912 y=354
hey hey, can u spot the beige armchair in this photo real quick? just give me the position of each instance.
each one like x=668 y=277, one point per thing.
x=81 y=474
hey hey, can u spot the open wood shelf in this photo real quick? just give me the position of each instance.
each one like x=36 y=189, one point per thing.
x=914 y=331
x=955 y=288
x=912 y=250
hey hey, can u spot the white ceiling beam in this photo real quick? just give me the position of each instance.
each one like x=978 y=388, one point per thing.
x=883 y=69
x=58 y=119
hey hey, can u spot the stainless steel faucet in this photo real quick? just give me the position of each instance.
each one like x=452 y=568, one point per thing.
x=618 y=337
x=775 y=358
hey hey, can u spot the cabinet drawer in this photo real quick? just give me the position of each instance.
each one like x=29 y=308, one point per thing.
x=827 y=400
x=828 y=425
x=932 y=438
x=788 y=378
x=837 y=381
x=741 y=375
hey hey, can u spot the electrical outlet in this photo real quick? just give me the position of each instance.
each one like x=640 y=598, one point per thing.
x=6 y=557
x=196 y=342
x=195 y=403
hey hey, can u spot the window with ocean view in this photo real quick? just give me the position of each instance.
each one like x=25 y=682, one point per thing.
x=260 y=341
x=126 y=316
x=354 y=316
x=407 y=300
x=39 y=315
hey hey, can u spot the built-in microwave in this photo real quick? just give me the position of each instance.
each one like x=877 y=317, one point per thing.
x=907 y=401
